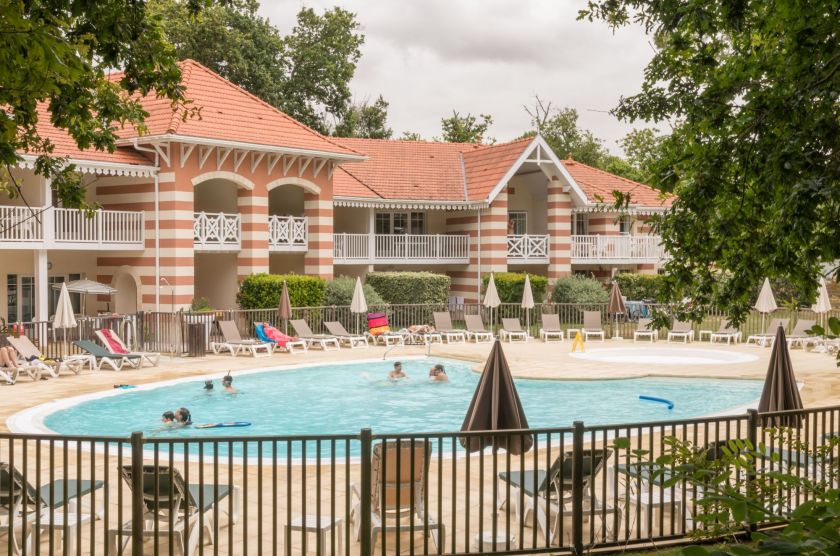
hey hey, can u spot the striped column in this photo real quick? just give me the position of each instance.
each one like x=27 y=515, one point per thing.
x=559 y=221
x=318 y=260
x=253 y=255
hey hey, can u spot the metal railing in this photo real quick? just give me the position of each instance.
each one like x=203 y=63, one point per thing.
x=616 y=248
x=401 y=248
x=217 y=231
x=577 y=488
x=524 y=248
x=287 y=233
x=55 y=343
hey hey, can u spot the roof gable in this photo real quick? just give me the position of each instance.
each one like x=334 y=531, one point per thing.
x=598 y=185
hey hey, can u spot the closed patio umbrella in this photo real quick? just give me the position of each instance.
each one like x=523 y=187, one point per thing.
x=284 y=309
x=358 y=304
x=491 y=298
x=64 y=317
x=495 y=406
x=527 y=301
x=616 y=307
x=780 y=390
x=823 y=303
x=765 y=303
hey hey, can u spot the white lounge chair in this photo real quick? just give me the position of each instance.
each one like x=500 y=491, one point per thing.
x=512 y=330
x=32 y=361
x=443 y=326
x=476 y=329
x=325 y=341
x=114 y=344
x=769 y=335
x=799 y=335
x=643 y=330
x=681 y=330
x=235 y=344
x=352 y=340
x=592 y=325
x=550 y=327
x=726 y=332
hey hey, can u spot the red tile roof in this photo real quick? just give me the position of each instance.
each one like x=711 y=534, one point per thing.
x=597 y=183
x=487 y=166
x=231 y=113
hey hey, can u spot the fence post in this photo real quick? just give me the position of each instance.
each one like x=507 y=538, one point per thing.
x=577 y=488
x=752 y=437
x=137 y=494
x=366 y=439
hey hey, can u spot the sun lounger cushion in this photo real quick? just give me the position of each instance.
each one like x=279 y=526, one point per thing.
x=378 y=323
x=113 y=345
x=271 y=334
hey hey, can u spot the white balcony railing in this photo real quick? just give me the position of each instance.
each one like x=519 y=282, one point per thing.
x=64 y=228
x=527 y=248
x=217 y=231
x=402 y=248
x=104 y=227
x=617 y=249
x=287 y=233
x=20 y=224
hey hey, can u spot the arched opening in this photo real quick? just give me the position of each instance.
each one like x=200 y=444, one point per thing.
x=288 y=228
x=127 y=283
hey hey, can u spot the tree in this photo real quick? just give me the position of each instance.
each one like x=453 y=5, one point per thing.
x=306 y=73
x=59 y=56
x=753 y=89
x=365 y=120
x=466 y=129
x=410 y=136
x=641 y=150
x=559 y=128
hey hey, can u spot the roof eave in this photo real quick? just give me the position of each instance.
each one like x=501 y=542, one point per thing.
x=98 y=167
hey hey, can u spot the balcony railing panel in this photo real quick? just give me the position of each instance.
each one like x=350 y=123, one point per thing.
x=528 y=248
x=20 y=224
x=601 y=248
x=104 y=226
x=392 y=248
x=287 y=233
x=351 y=247
x=217 y=231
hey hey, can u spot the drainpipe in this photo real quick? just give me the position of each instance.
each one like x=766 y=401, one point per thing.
x=478 y=269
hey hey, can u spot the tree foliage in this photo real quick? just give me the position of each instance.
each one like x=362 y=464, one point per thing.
x=306 y=73
x=410 y=136
x=559 y=127
x=753 y=89
x=60 y=55
x=365 y=120
x=466 y=129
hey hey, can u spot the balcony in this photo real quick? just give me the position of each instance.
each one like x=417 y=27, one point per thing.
x=288 y=234
x=62 y=228
x=527 y=249
x=217 y=232
x=400 y=249
x=622 y=249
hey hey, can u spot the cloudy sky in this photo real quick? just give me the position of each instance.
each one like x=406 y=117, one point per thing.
x=430 y=57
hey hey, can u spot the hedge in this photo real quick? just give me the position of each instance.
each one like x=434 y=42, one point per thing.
x=639 y=286
x=262 y=291
x=511 y=284
x=340 y=292
x=579 y=289
x=410 y=287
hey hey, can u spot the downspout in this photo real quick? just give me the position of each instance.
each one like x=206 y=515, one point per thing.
x=478 y=268
x=157 y=222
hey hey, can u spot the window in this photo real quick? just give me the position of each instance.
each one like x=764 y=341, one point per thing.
x=54 y=293
x=383 y=223
x=625 y=225
x=400 y=223
x=75 y=298
x=12 y=297
x=27 y=298
x=517 y=223
x=418 y=222
x=581 y=224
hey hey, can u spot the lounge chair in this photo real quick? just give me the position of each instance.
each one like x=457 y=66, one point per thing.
x=352 y=340
x=591 y=325
x=643 y=330
x=476 y=329
x=769 y=335
x=379 y=330
x=398 y=493
x=443 y=326
x=543 y=491
x=324 y=341
x=799 y=335
x=726 y=332
x=50 y=505
x=550 y=327
x=235 y=344
x=32 y=369
x=34 y=358
x=167 y=498
x=288 y=345
x=512 y=330
x=114 y=344
x=104 y=357
x=681 y=330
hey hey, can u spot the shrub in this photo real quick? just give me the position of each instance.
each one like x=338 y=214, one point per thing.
x=579 y=289
x=200 y=305
x=262 y=291
x=340 y=292
x=511 y=284
x=639 y=286
x=411 y=287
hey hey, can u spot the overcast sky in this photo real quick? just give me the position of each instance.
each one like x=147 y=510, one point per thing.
x=429 y=57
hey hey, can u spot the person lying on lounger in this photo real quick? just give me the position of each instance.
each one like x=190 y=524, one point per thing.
x=8 y=357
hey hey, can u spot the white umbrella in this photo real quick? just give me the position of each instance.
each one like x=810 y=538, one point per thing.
x=491 y=298
x=86 y=287
x=358 y=304
x=64 y=317
x=527 y=300
x=823 y=304
x=765 y=303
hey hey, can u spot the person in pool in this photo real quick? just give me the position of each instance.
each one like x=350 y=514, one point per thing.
x=438 y=374
x=227 y=384
x=397 y=373
x=168 y=418
x=208 y=385
x=183 y=417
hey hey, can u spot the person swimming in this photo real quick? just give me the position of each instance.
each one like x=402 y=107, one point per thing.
x=438 y=374
x=397 y=373
x=208 y=385
x=183 y=417
x=168 y=418
x=227 y=384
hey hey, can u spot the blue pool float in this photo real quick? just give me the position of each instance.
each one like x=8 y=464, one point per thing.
x=223 y=425
x=669 y=403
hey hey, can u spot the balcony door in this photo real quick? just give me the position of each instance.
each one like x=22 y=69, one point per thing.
x=400 y=223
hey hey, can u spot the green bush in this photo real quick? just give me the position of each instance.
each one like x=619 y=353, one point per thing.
x=200 y=305
x=511 y=284
x=410 y=287
x=639 y=286
x=340 y=292
x=262 y=291
x=579 y=289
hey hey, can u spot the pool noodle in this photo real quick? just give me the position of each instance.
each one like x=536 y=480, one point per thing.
x=669 y=403
x=223 y=425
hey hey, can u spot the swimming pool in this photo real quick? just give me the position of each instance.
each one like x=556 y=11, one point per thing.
x=343 y=398
x=665 y=356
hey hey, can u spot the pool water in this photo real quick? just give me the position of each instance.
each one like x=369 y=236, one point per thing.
x=344 y=398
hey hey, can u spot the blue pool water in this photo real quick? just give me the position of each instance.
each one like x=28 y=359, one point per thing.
x=343 y=398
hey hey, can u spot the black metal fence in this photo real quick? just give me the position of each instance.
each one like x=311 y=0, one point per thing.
x=578 y=488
